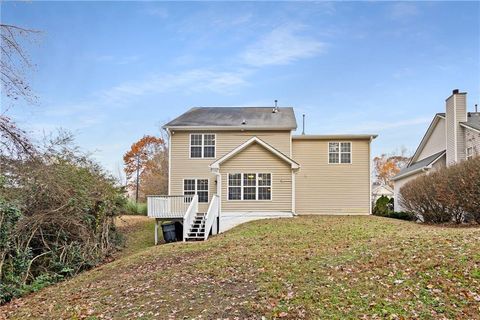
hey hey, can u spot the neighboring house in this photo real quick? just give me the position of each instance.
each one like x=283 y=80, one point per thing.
x=452 y=137
x=232 y=164
x=381 y=190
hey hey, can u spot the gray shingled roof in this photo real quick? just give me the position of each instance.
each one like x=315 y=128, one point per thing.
x=254 y=117
x=473 y=120
x=419 y=165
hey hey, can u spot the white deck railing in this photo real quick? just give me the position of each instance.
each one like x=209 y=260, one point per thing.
x=212 y=214
x=168 y=206
x=189 y=216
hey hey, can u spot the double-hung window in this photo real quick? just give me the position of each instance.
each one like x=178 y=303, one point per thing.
x=249 y=186
x=192 y=187
x=469 y=153
x=339 y=152
x=202 y=145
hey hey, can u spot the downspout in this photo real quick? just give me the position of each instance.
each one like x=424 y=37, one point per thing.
x=370 y=200
x=169 y=161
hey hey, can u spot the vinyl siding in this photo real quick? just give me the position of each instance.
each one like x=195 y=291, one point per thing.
x=182 y=167
x=436 y=141
x=323 y=188
x=257 y=159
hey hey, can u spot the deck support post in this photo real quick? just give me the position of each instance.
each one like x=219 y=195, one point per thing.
x=156 y=231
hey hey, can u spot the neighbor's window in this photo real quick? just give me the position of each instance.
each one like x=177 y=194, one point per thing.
x=469 y=153
x=202 y=145
x=196 y=186
x=339 y=152
x=249 y=186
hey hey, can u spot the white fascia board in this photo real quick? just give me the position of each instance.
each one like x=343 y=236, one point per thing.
x=216 y=164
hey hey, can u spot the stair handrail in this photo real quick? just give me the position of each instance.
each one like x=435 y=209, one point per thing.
x=212 y=214
x=189 y=216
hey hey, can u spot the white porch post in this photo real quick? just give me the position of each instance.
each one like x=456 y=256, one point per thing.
x=216 y=223
x=156 y=231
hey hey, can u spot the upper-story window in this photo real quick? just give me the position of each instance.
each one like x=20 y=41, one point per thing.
x=469 y=153
x=202 y=145
x=339 y=152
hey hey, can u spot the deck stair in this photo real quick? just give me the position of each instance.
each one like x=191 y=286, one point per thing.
x=197 y=229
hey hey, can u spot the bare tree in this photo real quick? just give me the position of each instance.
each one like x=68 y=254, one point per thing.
x=15 y=62
x=14 y=66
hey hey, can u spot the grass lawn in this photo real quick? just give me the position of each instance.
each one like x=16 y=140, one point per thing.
x=307 y=267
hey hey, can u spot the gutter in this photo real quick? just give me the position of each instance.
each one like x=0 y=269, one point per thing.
x=469 y=127
x=425 y=169
x=228 y=128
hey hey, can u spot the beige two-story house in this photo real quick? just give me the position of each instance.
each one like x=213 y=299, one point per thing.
x=452 y=137
x=234 y=164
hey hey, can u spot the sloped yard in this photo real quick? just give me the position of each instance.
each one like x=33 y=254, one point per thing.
x=306 y=267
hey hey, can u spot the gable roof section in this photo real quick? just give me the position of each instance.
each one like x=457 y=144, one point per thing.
x=420 y=165
x=473 y=121
x=427 y=135
x=258 y=118
x=378 y=189
x=240 y=148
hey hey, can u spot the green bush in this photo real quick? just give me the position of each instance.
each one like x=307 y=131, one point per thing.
x=402 y=215
x=448 y=195
x=382 y=206
x=135 y=208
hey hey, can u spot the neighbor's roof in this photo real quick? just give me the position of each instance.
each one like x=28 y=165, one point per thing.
x=419 y=165
x=473 y=121
x=259 y=118
x=334 y=136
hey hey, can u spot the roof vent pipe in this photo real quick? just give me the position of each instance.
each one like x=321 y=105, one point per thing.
x=275 y=109
x=303 y=128
x=476 y=107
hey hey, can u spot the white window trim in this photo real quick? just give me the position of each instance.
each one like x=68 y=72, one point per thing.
x=466 y=153
x=256 y=187
x=196 y=189
x=340 y=153
x=202 y=146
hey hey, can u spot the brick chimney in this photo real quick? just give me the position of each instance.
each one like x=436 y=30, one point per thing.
x=456 y=112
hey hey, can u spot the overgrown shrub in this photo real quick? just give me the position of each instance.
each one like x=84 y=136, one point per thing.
x=447 y=195
x=57 y=212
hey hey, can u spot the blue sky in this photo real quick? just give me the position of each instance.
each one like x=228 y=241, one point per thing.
x=113 y=71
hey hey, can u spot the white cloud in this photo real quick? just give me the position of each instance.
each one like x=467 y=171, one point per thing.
x=282 y=45
x=157 y=12
x=402 y=10
x=115 y=59
x=188 y=81
x=376 y=126
x=403 y=73
x=93 y=111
